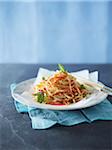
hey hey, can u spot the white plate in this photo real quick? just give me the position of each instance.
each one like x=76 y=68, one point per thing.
x=27 y=99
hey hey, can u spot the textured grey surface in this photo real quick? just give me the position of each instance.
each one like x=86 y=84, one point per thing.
x=15 y=129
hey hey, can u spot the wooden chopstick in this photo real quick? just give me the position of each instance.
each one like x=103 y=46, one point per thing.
x=97 y=85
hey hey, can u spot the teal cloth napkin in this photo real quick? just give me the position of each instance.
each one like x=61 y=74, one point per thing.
x=43 y=119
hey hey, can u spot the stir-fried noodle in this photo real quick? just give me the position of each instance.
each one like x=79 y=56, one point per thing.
x=60 y=89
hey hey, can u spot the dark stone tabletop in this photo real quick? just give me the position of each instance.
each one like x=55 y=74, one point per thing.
x=15 y=129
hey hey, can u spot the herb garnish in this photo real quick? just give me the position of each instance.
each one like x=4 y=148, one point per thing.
x=82 y=86
x=39 y=96
x=43 y=78
x=61 y=67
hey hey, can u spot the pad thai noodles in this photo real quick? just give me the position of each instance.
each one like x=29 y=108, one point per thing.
x=60 y=89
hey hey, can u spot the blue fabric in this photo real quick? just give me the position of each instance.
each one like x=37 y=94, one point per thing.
x=42 y=118
x=76 y=32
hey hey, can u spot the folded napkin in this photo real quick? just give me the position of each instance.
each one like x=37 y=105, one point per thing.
x=43 y=119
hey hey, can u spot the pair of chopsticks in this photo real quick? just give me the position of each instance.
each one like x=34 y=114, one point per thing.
x=97 y=85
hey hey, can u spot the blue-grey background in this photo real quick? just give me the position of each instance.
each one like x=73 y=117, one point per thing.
x=52 y=32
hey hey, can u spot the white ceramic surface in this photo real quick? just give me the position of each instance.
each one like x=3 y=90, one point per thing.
x=23 y=93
